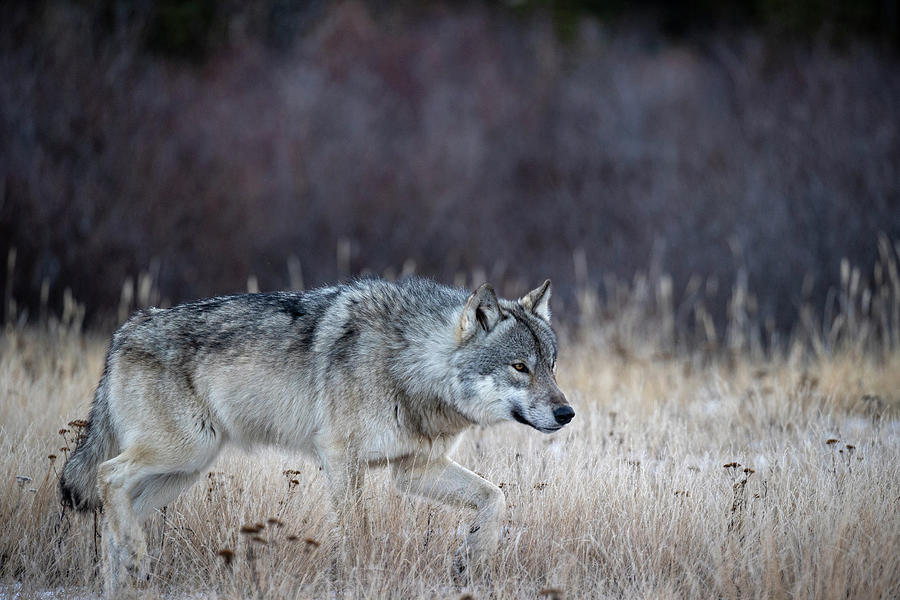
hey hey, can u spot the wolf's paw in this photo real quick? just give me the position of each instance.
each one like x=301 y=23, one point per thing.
x=127 y=576
x=138 y=571
x=131 y=566
x=460 y=570
x=468 y=570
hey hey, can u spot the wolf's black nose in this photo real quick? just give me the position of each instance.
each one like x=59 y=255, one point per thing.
x=563 y=414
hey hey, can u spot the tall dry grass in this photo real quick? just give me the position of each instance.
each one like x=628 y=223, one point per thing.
x=748 y=470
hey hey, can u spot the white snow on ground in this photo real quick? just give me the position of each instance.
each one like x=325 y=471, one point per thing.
x=14 y=592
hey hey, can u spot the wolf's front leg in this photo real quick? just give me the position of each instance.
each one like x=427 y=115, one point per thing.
x=444 y=480
x=346 y=475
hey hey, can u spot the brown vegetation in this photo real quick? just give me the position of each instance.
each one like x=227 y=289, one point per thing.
x=734 y=472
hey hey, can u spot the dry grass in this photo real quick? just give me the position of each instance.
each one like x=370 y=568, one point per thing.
x=630 y=501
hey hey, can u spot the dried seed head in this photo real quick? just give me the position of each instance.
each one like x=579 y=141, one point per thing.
x=259 y=540
x=227 y=555
x=851 y=447
x=251 y=529
x=312 y=543
x=275 y=522
x=292 y=538
x=52 y=457
x=63 y=431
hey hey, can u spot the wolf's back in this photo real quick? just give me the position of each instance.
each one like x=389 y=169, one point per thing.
x=78 y=482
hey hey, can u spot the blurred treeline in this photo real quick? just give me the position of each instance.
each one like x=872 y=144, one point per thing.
x=751 y=144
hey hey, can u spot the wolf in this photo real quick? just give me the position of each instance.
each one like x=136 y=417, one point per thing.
x=359 y=375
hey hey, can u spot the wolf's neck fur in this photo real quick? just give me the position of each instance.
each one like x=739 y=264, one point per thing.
x=425 y=370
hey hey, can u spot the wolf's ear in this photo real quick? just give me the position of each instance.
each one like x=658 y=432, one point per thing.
x=482 y=312
x=537 y=301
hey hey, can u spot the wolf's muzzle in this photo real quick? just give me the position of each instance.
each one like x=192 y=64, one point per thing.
x=563 y=414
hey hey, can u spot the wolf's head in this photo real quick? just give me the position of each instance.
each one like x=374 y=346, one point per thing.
x=506 y=360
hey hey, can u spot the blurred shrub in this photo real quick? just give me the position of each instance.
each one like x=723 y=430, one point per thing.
x=194 y=29
x=463 y=139
x=188 y=28
x=839 y=20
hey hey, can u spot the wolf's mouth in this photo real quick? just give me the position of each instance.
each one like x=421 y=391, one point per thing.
x=518 y=416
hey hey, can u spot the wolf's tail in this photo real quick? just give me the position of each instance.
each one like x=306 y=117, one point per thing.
x=78 y=482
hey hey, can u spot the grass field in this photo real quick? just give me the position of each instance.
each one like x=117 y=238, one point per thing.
x=739 y=474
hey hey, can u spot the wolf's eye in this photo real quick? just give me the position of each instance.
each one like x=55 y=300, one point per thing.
x=520 y=367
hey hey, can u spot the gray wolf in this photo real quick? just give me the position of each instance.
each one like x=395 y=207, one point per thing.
x=371 y=373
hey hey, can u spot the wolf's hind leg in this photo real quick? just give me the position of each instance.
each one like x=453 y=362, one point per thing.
x=444 y=480
x=141 y=478
x=125 y=549
x=156 y=491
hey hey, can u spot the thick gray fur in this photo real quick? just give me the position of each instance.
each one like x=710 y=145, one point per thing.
x=358 y=375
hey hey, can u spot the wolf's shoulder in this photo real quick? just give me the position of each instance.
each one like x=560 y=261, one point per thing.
x=409 y=292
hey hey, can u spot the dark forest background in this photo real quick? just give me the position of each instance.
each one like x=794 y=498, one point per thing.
x=203 y=144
